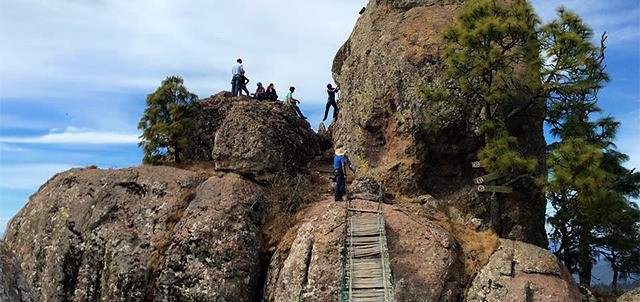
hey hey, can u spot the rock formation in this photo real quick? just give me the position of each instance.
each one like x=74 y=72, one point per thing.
x=184 y=234
x=13 y=285
x=425 y=259
x=630 y=296
x=251 y=137
x=137 y=234
x=522 y=272
x=393 y=51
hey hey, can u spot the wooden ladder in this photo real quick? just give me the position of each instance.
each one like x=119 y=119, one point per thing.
x=366 y=271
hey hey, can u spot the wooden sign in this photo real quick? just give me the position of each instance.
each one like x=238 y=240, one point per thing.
x=485 y=178
x=498 y=189
x=477 y=164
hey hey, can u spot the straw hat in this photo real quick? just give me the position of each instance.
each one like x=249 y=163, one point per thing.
x=340 y=151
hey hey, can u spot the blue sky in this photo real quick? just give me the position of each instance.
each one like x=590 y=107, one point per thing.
x=74 y=74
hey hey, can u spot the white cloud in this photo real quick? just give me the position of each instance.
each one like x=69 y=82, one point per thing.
x=124 y=45
x=73 y=135
x=619 y=18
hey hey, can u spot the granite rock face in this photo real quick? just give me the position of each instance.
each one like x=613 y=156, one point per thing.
x=519 y=271
x=630 y=296
x=393 y=51
x=424 y=258
x=140 y=234
x=248 y=136
x=13 y=285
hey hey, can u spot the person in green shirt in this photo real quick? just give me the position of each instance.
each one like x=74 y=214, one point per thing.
x=292 y=102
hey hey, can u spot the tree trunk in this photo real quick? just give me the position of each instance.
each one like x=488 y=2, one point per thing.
x=614 y=268
x=565 y=244
x=496 y=213
x=584 y=256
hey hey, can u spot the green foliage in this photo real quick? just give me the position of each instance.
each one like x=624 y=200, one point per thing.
x=489 y=49
x=588 y=188
x=166 y=123
x=500 y=152
x=492 y=63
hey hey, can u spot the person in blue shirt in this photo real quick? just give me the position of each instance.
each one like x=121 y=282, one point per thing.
x=340 y=164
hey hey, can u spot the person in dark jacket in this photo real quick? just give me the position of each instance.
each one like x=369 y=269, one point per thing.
x=331 y=102
x=243 y=83
x=272 y=95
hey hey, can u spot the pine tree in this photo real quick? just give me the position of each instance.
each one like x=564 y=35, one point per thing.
x=166 y=123
x=588 y=185
x=492 y=62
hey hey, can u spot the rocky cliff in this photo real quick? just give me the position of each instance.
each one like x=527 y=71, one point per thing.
x=169 y=234
x=251 y=137
x=250 y=217
x=393 y=51
x=13 y=285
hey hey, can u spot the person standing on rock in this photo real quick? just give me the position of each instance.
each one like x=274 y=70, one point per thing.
x=340 y=165
x=331 y=101
x=236 y=78
x=292 y=102
x=244 y=81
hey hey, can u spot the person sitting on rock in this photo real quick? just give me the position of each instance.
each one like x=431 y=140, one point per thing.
x=292 y=102
x=260 y=93
x=271 y=93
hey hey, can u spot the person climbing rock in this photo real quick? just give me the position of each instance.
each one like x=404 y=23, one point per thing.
x=236 y=77
x=244 y=81
x=292 y=102
x=271 y=93
x=260 y=93
x=331 y=101
x=340 y=165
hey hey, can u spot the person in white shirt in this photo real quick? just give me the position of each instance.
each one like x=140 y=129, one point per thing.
x=236 y=79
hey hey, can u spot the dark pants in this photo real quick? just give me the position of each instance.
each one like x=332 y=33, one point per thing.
x=244 y=88
x=330 y=103
x=295 y=107
x=236 y=85
x=340 y=184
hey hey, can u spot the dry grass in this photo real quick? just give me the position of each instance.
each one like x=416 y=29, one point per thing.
x=476 y=246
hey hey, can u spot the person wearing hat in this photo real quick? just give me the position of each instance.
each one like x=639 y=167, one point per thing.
x=340 y=164
x=260 y=94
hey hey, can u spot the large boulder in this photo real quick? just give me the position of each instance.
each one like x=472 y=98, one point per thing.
x=250 y=137
x=425 y=260
x=519 y=271
x=630 y=296
x=13 y=285
x=393 y=51
x=214 y=251
x=306 y=265
x=139 y=234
